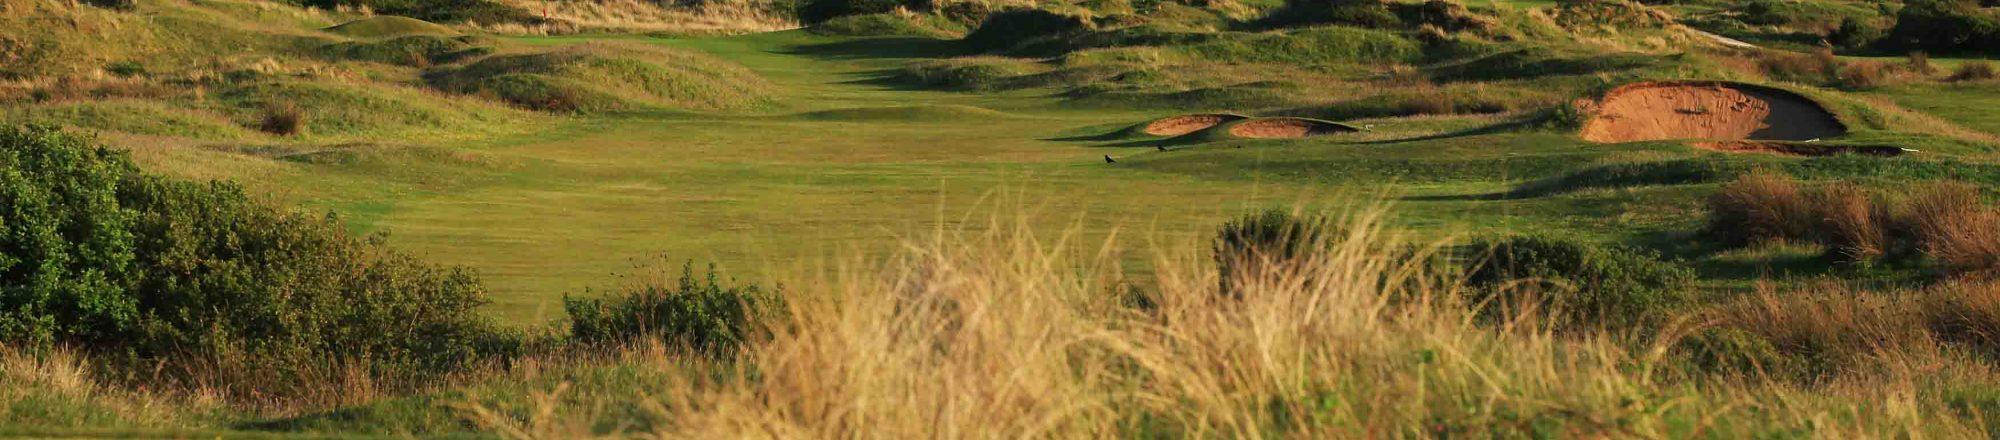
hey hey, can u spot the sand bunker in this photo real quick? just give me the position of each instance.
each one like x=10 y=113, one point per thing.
x=1184 y=124
x=1287 y=128
x=1706 y=110
x=1797 y=149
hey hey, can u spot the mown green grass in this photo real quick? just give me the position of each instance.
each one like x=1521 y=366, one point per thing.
x=841 y=162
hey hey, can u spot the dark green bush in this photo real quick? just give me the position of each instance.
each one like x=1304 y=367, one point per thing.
x=66 y=245
x=1007 y=29
x=699 y=314
x=1270 y=243
x=1946 y=26
x=1588 y=284
x=200 y=278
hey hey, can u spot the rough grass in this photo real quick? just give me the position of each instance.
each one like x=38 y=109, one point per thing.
x=390 y=26
x=607 y=77
x=349 y=110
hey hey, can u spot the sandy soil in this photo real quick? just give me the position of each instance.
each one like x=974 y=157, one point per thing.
x=1286 y=128
x=1706 y=110
x=1184 y=124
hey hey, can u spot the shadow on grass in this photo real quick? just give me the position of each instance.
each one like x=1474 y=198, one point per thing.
x=879 y=48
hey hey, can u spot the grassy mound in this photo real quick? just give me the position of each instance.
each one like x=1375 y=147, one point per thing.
x=130 y=116
x=413 y=50
x=607 y=77
x=342 y=109
x=1311 y=46
x=390 y=26
x=890 y=25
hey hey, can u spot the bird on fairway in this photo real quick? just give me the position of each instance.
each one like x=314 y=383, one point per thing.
x=1160 y=147
x=1107 y=159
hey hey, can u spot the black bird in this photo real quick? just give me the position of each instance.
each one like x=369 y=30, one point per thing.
x=1160 y=147
x=1107 y=159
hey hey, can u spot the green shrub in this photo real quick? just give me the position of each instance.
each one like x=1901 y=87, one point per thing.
x=66 y=245
x=1855 y=34
x=1946 y=26
x=698 y=314
x=1270 y=244
x=209 y=286
x=1586 y=283
x=1008 y=29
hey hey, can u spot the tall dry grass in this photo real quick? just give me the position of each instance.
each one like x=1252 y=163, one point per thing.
x=1002 y=333
x=710 y=17
x=1951 y=223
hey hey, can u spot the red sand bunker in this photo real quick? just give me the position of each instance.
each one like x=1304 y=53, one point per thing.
x=1184 y=124
x=1286 y=128
x=1706 y=110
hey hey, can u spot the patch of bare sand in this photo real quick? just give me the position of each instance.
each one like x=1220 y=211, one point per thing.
x=1184 y=124
x=1287 y=128
x=1706 y=110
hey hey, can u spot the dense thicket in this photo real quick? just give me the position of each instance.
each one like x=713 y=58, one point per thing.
x=96 y=255
x=1946 y=26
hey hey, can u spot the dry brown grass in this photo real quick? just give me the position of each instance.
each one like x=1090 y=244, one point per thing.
x=283 y=118
x=1853 y=224
x=1761 y=206
x=1950 y=222
x=692 y=18
x=1003 y=334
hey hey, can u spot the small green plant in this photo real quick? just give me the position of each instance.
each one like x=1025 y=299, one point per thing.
x=700 y=314
x=1585 y=284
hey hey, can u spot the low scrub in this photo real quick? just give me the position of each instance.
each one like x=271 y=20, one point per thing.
x=197 y=284
x=1947 y=222
x=1022 y=27
x=1946 y=27
x=1271 y=245
x=1574 y=283
x=698 y=314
